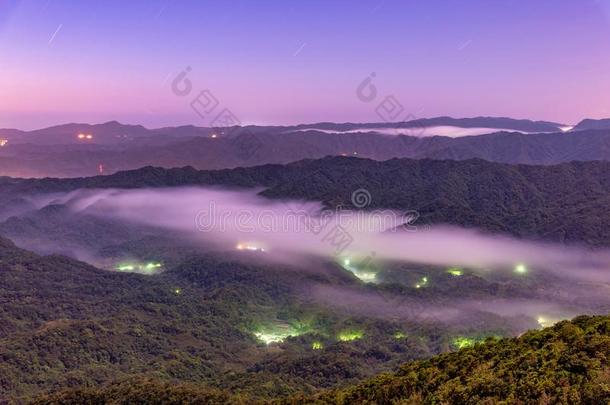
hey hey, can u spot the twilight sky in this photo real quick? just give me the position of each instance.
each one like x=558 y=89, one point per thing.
x=286 y=62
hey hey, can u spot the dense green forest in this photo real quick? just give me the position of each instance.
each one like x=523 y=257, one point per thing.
x=567 y=363
x=241 y=327
x=197 y=332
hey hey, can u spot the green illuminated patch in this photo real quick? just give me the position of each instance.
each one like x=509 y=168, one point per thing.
x=279 y=331
x=143 y=268
x=271 y=337
x=461 y=342
x=455 y=271
x=348 y=336
x=364 y=275
x=400 y=335
x=317 y=346
x=546 y=321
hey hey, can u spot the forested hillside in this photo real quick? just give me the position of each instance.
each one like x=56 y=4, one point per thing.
x=568 y=363
x=566 y=202
x=230 y=322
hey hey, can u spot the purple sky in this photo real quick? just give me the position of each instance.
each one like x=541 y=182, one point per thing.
x=279 y=62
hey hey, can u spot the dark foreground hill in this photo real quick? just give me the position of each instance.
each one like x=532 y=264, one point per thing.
x=568 y=363
x=567 y=202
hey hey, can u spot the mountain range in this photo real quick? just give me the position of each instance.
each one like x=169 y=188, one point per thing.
x=59 y=152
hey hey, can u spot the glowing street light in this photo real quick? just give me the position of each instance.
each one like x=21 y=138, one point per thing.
x=520 y=268
x=422 y=283
x=399 y=335
x=250 y=247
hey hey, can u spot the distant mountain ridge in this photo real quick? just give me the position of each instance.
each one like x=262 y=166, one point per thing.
x=116 y=147
x=115 y=132
x=587 y=124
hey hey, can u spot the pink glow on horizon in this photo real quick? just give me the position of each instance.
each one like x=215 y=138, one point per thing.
x=547 y=60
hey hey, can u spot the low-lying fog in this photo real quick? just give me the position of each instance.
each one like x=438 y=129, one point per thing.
x=440 y=130
x=290 y=231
